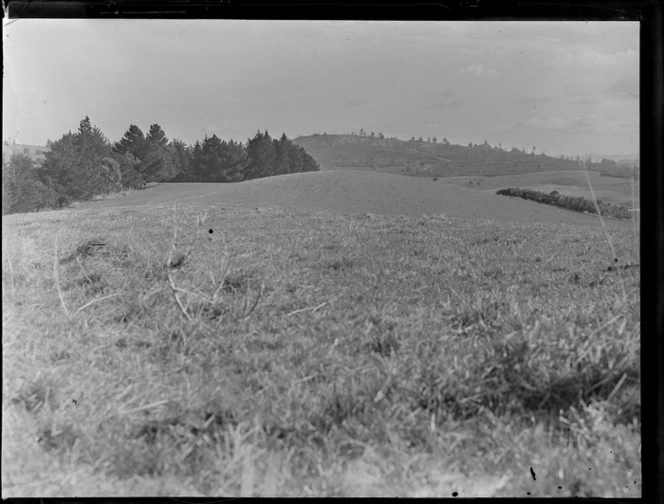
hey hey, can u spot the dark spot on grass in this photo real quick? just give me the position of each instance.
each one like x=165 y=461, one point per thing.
x=185 y=424
x=235 y=282
x=262 y=345
x=34 y=395
x=351 y=451
x=339 y=264
x=63 y=438
x=385 y=344
x=90 y=279
x=484 y=241
x=212 y=312
x=177 y=261
x=60 y=356
x=85 y=250
x=494 y=273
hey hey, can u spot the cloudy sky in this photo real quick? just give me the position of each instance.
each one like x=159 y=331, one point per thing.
x=564 y=87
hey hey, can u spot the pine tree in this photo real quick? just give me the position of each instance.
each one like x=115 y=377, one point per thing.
x=156 y=136
x=78 y=165
x=282 y=147
x=22 y=191
x=85 y=128
x=294 y=159
x=212 y=159
x=56 y=170
x=308 y=163
x=197 y=162
x=133 y=142
x=90 y=176
x=181 y=159
x=262 y=156
x=158 y=163
x=235 y=161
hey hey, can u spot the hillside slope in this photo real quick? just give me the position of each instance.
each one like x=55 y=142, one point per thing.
x=36 y=152
x=424 y=159
x=356 y=192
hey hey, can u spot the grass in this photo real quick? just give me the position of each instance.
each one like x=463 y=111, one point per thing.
x=298 y=353
x=617 y=190
x=354 y=192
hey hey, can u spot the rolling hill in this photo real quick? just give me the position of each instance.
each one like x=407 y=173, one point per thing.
x=424 y=159
x=355 y=192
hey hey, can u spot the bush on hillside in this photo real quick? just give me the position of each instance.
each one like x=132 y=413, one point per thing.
x=575 y=203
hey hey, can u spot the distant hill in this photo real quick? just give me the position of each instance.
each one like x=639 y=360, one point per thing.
x=425 y=159
x=618 y=158
x=36 y=152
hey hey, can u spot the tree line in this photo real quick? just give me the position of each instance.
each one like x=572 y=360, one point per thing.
x=84 y=164
x=575 y=203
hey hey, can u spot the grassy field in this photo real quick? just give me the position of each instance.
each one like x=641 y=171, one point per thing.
x=272 y=349
x=567 y=182
x=350 y=191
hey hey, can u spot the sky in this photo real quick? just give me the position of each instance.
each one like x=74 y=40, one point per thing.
x=563 y=87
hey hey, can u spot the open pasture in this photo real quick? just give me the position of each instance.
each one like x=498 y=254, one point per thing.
x=327 y=342
x=350 y=191
x=567 y=182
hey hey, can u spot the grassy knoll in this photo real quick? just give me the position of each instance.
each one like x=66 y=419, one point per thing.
x=350 y=191
x=316 y=353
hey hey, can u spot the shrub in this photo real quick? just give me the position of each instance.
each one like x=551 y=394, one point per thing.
x=575 y=203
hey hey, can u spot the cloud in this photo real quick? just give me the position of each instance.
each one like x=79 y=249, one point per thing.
x=548 y=124
x=445 y=104
x=448 y=93
x=592 y=58
x=627 y=86
x=478 y=70
x=356 y=102
x=592 y=123
x=530 y=100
